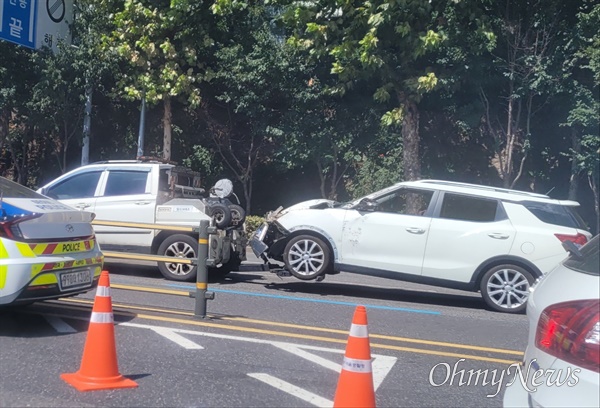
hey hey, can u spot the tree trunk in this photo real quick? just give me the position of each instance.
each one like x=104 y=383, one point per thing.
x=573 y=179
x=321 y=179
x=593 y=180
x=248 y=194
x=410 y=142
x=19 y=162
x=5 y=115
x=333 y=187
x=65 y=146
x=167 y=128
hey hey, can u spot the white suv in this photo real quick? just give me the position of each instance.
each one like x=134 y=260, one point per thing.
x=442 y=233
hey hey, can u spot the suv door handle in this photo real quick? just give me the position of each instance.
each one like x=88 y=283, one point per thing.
x=142 y=202
x=498 y=235
x=82 y=206
x=414 y=230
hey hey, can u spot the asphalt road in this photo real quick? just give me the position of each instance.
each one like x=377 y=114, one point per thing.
x=266 y=342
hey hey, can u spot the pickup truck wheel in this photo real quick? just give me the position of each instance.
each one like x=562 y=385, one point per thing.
x=307 y=257
x=505 y=288
x=221 y=214
x=178 y=246
x=238 y=214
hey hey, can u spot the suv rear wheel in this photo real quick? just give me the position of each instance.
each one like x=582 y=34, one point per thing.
x=505 y=288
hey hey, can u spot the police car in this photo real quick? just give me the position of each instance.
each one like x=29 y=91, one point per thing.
x=48 y=250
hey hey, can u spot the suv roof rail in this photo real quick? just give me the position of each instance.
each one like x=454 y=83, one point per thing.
x=142 y=159
x=481 y=187
x=115 y=161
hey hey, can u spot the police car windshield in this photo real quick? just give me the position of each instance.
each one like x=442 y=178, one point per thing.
x=10 y=189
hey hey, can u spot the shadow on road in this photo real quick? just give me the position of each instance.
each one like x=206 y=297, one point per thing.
x=254 y=275
x=369 y=292
x=131 y=269
x=152 y=272
x=31 y=321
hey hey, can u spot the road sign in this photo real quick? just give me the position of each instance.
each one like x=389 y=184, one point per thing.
x=36 y=23
x=18 y=21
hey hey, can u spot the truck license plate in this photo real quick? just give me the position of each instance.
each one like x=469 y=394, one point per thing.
x=73 y=279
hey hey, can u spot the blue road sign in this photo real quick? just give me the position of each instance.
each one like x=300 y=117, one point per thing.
x=18 y=21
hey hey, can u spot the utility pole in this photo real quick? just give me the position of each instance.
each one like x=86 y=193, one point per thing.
x=140 y=149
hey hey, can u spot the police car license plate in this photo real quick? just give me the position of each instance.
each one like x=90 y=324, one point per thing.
x=76 y=278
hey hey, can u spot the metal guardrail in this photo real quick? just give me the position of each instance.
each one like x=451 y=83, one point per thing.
x=145 y=226
x=201 y=294
x=157 y=258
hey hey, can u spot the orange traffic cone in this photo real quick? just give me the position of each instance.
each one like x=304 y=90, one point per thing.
x=99 y=368
x=355 y=386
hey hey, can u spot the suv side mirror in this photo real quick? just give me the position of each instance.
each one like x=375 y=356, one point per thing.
x=367 y=204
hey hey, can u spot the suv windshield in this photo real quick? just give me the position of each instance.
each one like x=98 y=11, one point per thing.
x=590 y=260
x=10 y=189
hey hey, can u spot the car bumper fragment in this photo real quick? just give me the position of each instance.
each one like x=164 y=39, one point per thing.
x=258 y=247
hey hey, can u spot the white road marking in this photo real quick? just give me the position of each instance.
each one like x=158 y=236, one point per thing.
x=176 y=338
x=293 y=390
x=59 y=324
x=311 y=357
x=381 y=364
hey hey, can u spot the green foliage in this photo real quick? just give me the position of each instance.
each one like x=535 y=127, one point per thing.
x=389 y=42
x=161 y=42
x=379 y=166
x=203 y=161
x=583 y=94
x=252 y=223
x=587 y=27
x=306 y=87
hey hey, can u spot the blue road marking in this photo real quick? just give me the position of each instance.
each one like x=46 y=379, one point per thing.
x=331 y=302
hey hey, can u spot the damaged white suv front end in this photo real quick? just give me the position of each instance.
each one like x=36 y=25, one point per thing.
x=308 y=257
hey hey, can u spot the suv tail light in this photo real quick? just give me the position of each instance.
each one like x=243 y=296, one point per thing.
x=571 y=331
x=578 y=239
x=9 y=225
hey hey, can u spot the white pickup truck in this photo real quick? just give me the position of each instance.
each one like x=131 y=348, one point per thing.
x=152 y=192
